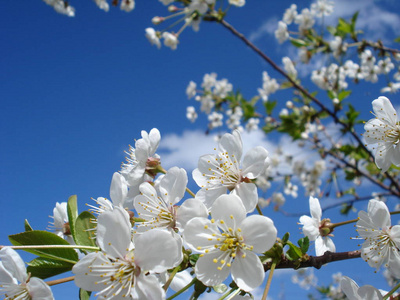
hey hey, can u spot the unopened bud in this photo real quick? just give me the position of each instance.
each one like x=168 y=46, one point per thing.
x=289 y=104
x=336 y=101
x=172 y=8
x=157 y=20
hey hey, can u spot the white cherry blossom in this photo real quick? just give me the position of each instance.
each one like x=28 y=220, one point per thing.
x=162 y=211
x=127 y=5
x=152 y=36
x=281 y=33
x=60 y=224
x=228 y=243
x=15 y=283
x=290 y=14
x=217 y=173
x=170 y=40
x=141 y=162
x=314 y=228
x=384 y=130
x=119 y=270
x=382 y=240
x=238 y=3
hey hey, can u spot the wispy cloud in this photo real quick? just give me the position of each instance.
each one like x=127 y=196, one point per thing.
x=183 y=150
x=266 y=28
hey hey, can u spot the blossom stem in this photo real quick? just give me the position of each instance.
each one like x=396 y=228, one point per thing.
x=259 y=210
x=58 y=281
x=387 y=296
x=183 y=289
x=333 y=225
x=271 y=273
x=52 y=247
x=166 y=285
x=190 y=192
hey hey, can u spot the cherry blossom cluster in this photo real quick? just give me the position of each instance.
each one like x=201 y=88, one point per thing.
x=335 y=76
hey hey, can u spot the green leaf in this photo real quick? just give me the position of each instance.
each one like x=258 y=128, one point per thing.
x=83 y=234
x=346 y=207
x=294 y=252
x=343 y=94
x=27 y=226
x=397 y=40
x=304 y=244
x=44 y=267
x=84 y=295
x=343 y=26
x=269 y=106
x=72 y=209
x=39 y=237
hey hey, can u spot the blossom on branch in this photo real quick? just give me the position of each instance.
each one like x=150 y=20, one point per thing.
x=119 y=270
x=316 y=229
x=382 y=241
x=353 y=292
x=218 y=172
x=228 y=243
x=384 y=130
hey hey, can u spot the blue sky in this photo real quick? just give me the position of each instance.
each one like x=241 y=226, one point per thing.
x=75 y=92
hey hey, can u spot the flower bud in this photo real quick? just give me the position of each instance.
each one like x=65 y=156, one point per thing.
x=172 y=8
x=157 y=20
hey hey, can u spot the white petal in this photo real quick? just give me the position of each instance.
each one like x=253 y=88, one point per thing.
x=173 y=185
x=6 y=277
x=142 y=151
x=206 y=269
x=254 y=162
x=394 y=263
x=83 y=277
x=114 y=232
x=248 y=194
x=368 y=292
x=198 y=177
x=379 y=213
x=13 y=263
x=323 y=244
x=349 y=287
x=396 y=155
x=395 y=235
x=383 y=156
x=259 y=232
x=248 y=272
x=157 y=250
x=148 y=287
x=310 y=227
x=154 y=140
x=199 y=232
x=190 y=209
x=232 y=143
x=315 y=208
x=39 y=290
x=228 y=211
x=384 y=110
x=180 y=280
x=118 y=189
x=208 y=196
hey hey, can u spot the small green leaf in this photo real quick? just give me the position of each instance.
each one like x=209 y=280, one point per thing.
x=84 y=295
x=72 y=209
x=44 y=267
x=397 y=40
x=27 y=226
x=285 y=238
x=298 y=43
x=269 y=106
x=346 y=207
x=304 y=244
x=39 y=237
x=84 y=233
x=343 y=94
x=294 y=252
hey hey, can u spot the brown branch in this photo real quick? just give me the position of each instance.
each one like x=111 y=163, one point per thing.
x=315 y=261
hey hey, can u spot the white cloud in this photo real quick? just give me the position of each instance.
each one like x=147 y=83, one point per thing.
x=184 y=150
x=267 y=27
